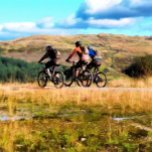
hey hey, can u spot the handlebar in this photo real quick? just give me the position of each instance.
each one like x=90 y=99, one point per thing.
x=41 y=63
x=73 y=62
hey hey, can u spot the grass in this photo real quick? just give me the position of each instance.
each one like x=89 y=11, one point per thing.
x=32 y=93
x=127 y=82
x=74 y=119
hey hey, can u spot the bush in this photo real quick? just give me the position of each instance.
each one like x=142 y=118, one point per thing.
x=141 y=66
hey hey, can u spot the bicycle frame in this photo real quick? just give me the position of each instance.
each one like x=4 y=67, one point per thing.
x=74 y=69
x=52 y=69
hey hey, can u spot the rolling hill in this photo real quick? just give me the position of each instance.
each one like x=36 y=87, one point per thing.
x=117 y=51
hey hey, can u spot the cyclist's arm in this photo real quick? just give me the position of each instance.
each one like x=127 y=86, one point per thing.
x=43 y=57
x=73 y=53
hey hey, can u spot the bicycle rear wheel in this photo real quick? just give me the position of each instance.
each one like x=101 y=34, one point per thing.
x=68 y=78
x=58 y=79
x=100 y=79
x=42 y=79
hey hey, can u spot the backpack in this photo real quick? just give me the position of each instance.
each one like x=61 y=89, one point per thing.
x=92 y=53
x=85 y=54
x=53 y=54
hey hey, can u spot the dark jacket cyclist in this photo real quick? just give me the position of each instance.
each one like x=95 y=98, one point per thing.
x=53 y=56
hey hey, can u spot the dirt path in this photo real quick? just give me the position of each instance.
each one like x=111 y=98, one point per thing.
x=32 y=87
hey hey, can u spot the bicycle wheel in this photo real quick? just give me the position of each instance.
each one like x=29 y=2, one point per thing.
x=42 y=79
x=58 y=79
x=86 y=78
x=100 y=79
x=68 y=78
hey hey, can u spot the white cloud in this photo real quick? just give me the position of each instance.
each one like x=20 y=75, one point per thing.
x=46 y=22
x=140 y=2
x=18 y=26
x=1 y=27
x=95 y=6
x=40 y=26
x=136 y=1
x=111 y=23
x=114 y=9
x=20 y=29
x=71 y=20
x=79 y=23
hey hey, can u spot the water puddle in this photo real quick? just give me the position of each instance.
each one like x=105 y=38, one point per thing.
x=121 y=119
x=14 y=118
x=129 y=118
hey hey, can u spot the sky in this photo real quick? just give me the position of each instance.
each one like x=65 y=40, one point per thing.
x=20 y=18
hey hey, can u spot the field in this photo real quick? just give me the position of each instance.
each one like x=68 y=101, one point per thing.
x=76 y=119
x=117 y=118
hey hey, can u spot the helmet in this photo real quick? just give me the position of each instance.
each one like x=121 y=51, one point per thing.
x=78 y=43
x=90 y=47
x=48 y=48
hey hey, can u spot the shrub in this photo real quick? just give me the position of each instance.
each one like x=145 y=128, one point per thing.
x=141 y=66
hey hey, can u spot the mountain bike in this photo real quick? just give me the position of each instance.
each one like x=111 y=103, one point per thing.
x=84 y=77
x=99 y=78
x=56 y=77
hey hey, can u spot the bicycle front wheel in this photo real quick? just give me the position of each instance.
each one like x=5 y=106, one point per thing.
x=42 y=79
x=58 y=79
x=68 y=78
x=86 y=78
x=100 y=79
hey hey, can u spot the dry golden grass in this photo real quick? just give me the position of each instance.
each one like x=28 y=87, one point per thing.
x=139 y=100
x=134 y=100
x=131 y=83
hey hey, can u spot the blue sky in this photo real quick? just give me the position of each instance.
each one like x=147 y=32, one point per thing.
x=20 y=18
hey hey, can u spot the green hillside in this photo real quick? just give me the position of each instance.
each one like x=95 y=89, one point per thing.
x=17 y=70
x=118 y=51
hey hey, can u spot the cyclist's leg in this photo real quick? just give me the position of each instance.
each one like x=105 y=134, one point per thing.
x=76 y=73
x=47 y=67
x=55 y=65
x=81 y=65
x=84 y=65
x=90 y=65
x=77 y=66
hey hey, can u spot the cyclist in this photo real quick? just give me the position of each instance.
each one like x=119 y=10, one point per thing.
x=92 y=52
x=95 y=62
x=80 y=51
x=53 y=56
